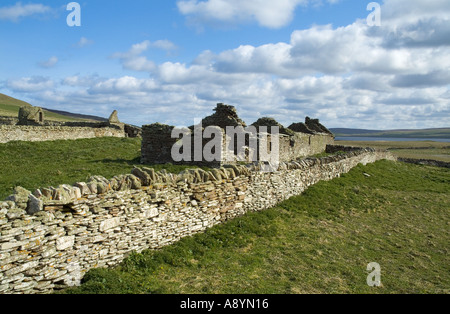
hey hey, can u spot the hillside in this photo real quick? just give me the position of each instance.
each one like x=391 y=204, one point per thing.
x=7 y=100
x=424 y=133
x=9 y=107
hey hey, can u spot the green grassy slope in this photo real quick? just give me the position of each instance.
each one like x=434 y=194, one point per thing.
x=9 y=107
x=319 y=242
x=4 y=99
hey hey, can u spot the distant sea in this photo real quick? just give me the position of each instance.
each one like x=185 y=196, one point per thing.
x=391 y=139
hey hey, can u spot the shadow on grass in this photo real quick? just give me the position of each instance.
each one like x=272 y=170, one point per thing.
x=136 y=161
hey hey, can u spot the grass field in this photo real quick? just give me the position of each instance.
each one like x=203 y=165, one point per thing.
x=421 y=133
x=34 y=165
x=319 y=242
x=415 y=150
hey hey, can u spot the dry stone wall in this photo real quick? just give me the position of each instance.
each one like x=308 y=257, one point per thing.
x=10 y=133
x=50 y=238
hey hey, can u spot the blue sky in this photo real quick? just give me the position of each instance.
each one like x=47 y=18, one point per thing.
x=172 y=61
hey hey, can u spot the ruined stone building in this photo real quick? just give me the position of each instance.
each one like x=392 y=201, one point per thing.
x=31 y=125
x=160 y=142
x=33 y=116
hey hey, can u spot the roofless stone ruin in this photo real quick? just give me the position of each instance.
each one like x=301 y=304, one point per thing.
x=297 y=141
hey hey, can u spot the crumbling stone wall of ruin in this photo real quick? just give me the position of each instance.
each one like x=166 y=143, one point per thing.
x=299 y=140
x=31 y=126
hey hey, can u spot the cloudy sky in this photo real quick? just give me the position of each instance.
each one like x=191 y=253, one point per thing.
x=171 y=61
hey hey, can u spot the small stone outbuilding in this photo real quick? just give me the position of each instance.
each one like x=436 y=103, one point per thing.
x=31 y=116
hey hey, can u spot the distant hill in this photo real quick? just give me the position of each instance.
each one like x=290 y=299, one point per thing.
x=76 y=116
x=10 y=106
x=7 y=100
x=424 y=133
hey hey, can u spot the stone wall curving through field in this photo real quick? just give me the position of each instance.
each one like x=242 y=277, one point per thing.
x=51 y=237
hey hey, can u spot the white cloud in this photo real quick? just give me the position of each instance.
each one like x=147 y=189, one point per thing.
x=393 y=76
x=50 y=63
x=30 y=84
x=18 y=11
x=164 y=44
x=348 y=75
x=133 y=60
x=123 y=85
x=398 y=12
x=84 y=42
x=271 y=14
x=81 y=81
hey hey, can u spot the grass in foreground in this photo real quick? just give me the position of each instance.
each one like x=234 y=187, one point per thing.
x=35 y=165
x=319 y=242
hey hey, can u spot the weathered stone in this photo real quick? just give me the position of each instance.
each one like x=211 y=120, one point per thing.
x=143 y=176
x=151 y=213
x=151 y=172
x=34 y=205
x=135 y=183
x=84 y=189
x=92 y=187
x=47 y=193
x=11 y=245
x=62 y=194
x=15 y=213
x=102 y=188
x=20 y=196
x=109 y=224
x=21 y=268
x=77 y=193
x=37 y=193
x=64 y=243
x=114 y=118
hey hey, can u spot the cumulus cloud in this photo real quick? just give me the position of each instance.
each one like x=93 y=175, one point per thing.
x=30 y=84
x=16 y=12
x=410 y=11
x=271 y=14
x=392 y=76
x=81 y=81
x=356 y=73
x=123 y=85
x=134 y=60
x=84 y=42
x=50 y=63
x=164 y=44
x=432 y=79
